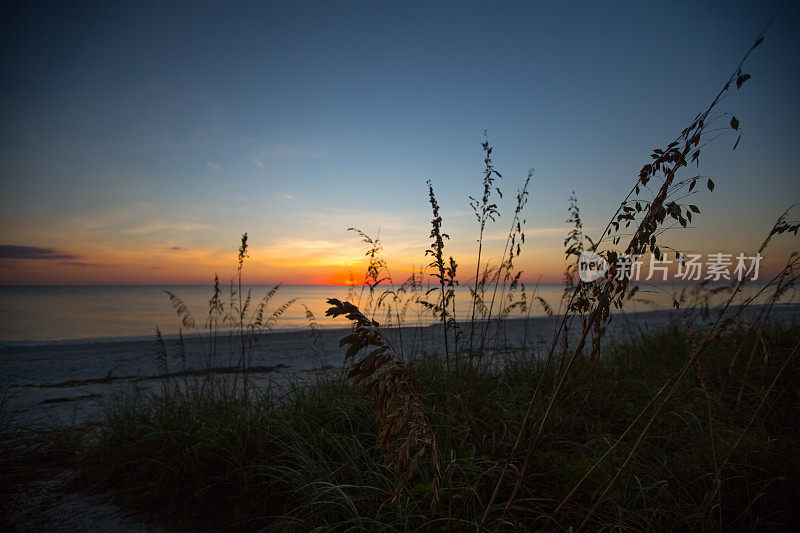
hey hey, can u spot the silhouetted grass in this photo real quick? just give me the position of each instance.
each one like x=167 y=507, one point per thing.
x=312 y=458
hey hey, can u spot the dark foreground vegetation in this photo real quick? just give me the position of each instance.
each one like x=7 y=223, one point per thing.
x=725 y=453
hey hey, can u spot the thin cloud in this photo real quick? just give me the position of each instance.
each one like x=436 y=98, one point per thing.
x=159 y=226
x=212 y=166
x=81 y=264
x=311 y=252
x=10 y=251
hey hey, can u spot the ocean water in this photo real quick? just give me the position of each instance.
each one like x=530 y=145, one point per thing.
x=45 y=314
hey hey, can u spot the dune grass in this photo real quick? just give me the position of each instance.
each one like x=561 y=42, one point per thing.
x=311 y=458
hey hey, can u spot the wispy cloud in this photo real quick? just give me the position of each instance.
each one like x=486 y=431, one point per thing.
x=10 y=251
x=212 y=166
x=312 y=252
x=81 y=264
x=158 y=226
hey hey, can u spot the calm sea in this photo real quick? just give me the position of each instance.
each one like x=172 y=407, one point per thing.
x=47 y=314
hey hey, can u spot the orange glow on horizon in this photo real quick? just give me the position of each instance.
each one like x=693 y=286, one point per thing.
x=339 y=278
x=167 y=265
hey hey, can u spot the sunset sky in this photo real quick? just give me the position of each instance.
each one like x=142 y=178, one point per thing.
x=138 y=141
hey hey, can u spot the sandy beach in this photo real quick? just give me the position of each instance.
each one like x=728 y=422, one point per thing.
x=52 y=383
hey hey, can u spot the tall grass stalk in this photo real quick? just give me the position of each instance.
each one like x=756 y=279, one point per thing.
x=485 y=210
x=678 y=154
x=512 y=248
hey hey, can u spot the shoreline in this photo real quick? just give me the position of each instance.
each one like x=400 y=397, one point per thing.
x=79 y=315
x=87 y=341
x=76 y=379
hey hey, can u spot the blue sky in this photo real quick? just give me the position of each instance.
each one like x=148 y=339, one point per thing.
x=145 y=138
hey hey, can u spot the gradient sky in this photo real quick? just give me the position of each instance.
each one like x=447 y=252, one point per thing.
x=139 y=140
